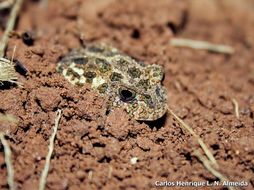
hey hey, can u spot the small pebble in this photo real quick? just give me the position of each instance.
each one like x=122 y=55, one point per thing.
x=81 y=174
x=28 y=38
x=134 y=160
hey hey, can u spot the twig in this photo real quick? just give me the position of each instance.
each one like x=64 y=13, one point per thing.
x=209 y=167
x=10 y=25
x=235 y=103
x=7 y=155
x=200 y=141
x=44 y=173
x=196 y=44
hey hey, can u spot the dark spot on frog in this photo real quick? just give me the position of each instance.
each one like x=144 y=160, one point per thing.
x=122 y=62
x=134 y=72
x=104 y=66
x=160 y=96
x=102 y=88
x=95 y=49
x=143 y=83
x=72 y=73
x=158 y=74
x=116 y=76
x=89 y=76
x=110 y=53
x=80 y=60
x=149 y=101
x=91 y=66
x=60 y=68
x=141 y=63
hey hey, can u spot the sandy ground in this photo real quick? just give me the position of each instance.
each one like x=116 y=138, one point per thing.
x=93 y=149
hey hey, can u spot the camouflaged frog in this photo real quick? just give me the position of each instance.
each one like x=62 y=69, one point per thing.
x=128 y=83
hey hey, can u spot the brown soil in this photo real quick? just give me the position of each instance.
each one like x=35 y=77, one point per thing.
x=93 y=148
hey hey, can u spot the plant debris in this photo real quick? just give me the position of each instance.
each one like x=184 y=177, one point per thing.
x=202 y=45
x=8 y=162
x=7 y=71
x=10 y=26
x=44 y=173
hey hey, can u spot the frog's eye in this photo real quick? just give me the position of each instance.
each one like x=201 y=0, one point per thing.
x=126 y=95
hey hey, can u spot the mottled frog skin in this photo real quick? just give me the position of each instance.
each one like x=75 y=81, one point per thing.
x=128 y=83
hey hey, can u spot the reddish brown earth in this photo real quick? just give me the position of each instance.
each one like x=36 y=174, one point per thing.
x=93 y=149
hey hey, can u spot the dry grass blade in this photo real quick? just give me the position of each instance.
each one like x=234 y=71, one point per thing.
x=7 y=71
x=196 y=44
x=7 y=156
x=236 y=106
x=44 y=173
x=201 y=143
x=209 y=167
x=10 y=26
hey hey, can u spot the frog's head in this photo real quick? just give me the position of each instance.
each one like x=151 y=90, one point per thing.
x=145 y=98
